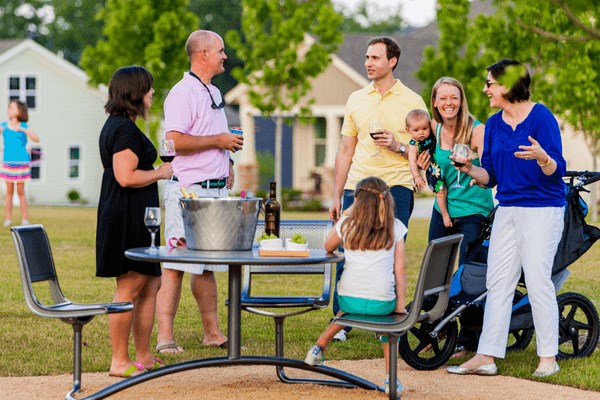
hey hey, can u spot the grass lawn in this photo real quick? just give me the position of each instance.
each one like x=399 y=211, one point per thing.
x=31 y=345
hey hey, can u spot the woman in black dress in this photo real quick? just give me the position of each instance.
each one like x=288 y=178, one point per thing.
x=128 y=187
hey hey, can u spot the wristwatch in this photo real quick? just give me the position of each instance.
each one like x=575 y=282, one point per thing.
x=402 y=148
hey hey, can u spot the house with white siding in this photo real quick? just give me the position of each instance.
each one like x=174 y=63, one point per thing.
x=64 y=111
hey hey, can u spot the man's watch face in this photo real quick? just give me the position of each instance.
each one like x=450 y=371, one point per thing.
x=402 y=148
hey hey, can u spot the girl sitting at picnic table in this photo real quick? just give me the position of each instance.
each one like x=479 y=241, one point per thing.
x=374 y=279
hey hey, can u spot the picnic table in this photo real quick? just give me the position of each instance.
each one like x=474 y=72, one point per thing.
x=235 y=260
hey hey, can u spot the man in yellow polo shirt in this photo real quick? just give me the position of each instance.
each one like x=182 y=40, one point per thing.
x=386 y=100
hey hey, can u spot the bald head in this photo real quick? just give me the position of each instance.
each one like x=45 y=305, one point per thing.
x=200 y=40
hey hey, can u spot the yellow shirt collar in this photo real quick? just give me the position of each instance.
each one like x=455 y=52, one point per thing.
x=397 y=89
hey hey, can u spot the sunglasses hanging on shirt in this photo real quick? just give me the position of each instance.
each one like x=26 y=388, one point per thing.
x=214 y=105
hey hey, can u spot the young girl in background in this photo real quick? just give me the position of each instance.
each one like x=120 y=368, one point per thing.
x=374 y=279
x=16 y=167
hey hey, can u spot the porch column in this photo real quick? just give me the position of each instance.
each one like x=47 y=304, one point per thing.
x=247 y=166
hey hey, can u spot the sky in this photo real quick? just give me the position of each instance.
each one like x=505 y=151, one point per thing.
x=416 y=12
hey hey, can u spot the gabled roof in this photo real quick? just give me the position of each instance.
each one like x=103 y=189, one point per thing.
x=11 y=48
x=233 y=96
x=6 y=44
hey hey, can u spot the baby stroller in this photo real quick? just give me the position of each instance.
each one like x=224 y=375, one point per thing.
x=428 y=346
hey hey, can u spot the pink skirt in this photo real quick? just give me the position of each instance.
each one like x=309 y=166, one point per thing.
x=16 y=171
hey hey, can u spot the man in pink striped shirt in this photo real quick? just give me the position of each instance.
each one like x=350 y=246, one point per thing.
x=196 y=122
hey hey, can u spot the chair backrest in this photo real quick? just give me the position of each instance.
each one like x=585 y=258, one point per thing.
x=36 y=264
x=315 y=232
x=433 y=283
x=435 y=277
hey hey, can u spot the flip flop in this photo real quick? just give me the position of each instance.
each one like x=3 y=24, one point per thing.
x=157 y=364
x=134 y=369
x=169 y=348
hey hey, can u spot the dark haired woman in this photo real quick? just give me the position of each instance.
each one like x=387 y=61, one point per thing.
x=522 y=156
x=16 y=168
x=128 y=187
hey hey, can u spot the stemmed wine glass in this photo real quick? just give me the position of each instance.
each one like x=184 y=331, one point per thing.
x=375 y=127
x=166 y=150
x=460 y=152
x=152 y=222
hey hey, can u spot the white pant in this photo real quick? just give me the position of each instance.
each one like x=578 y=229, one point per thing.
x=174 y=223
x=527 y=237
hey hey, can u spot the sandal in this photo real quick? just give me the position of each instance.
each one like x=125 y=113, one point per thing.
x=134 y=369
x=157 y=364
x=169 y=348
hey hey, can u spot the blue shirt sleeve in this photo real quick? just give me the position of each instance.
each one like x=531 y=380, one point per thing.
x=486 y=157
x=547 y=133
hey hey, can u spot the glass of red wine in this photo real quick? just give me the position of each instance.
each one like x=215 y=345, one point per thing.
x=460 y=152
x=166 y=150
x=152 y=222
x=375 y=128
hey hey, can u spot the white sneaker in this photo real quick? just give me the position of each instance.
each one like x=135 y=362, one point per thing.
x=7 y=222
x=25 y=222
x=314 y=356
x=341 y=336
x=399 y=386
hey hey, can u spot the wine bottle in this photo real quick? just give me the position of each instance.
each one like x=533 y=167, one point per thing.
x=272 y=212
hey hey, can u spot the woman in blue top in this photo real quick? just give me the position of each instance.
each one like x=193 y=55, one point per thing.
x=16 y=167
x=523 y=157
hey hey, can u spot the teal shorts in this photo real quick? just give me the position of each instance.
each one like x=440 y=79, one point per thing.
x=357 y=305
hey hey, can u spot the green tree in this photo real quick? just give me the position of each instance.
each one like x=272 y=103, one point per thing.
x=151 y=33
x=457 y=55
x=75 y=25
x=285 y=43
x=558 y=39
x=219 y=16
x=21 y=18
x=371 y=18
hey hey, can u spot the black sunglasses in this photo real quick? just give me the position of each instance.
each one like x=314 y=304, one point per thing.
x=214 y=105
x=488 y=83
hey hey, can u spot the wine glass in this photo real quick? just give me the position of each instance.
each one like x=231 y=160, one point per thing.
x=152 y=222
x=375 y=127
x=460 y=153
x=166 y=150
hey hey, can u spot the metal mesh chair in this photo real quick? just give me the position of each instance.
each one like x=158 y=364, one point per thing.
x=36 y=264
x=433 y=282
x=315 y=232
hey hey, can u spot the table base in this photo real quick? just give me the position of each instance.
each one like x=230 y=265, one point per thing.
x=344 y=379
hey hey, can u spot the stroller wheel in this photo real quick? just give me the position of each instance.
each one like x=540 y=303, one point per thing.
x=519 y=339
x=578 y=326
x=422 y=351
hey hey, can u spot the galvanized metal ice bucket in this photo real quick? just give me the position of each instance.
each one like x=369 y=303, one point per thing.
x=220 y=223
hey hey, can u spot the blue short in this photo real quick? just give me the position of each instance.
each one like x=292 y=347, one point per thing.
x=358 y=305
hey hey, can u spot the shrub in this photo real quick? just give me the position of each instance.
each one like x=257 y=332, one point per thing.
x=74 y=196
